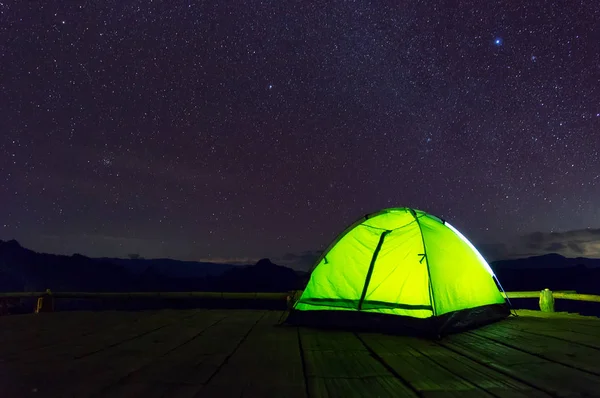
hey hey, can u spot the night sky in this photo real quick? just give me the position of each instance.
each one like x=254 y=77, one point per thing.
x=245 y=129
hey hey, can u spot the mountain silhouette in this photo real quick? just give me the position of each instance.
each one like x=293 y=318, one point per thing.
x=22 y=269
x=26 y=270
x=264 y=276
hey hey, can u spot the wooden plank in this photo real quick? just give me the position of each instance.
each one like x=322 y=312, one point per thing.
x=433 y=370
x=559 y=315
x=131 y=326
x=337 y=364
x=341 y=387
x=572 y=355
x=87 y=366
x=165 y=354
x=266 y=364
x=16 y=327
x=419 y=371
x=589 y=323
x=568 y=333
x=95 y=377
x=52 y=330
x=19 y=327
x=574 y=323
x=184 y=370
x=550 y=377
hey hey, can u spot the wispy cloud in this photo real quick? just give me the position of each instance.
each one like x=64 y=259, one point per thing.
x=229 y=260
x=576 y=243
x=300 y=261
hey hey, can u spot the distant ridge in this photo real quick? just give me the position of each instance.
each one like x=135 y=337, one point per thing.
x=264 y=276
x=22 y=269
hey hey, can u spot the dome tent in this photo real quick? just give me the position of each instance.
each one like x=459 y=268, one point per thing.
x=401 y=269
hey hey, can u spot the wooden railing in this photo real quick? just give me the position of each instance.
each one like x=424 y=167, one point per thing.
x=560 y=294
x=126 y=295
x=45 y=300
x=547 y=297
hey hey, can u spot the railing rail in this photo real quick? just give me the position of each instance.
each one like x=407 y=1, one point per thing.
x=559 y=294
x=125 y=295
x=46 y=300
x=546 y=297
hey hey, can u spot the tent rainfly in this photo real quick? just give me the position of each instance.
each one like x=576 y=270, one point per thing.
x=403 y=270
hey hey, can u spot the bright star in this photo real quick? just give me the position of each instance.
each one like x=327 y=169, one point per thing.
x=498 y=41
x=270 y=86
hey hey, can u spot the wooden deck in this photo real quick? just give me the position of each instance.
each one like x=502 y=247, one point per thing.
x=235 y=353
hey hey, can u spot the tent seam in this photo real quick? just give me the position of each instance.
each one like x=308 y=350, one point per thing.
x=431 y=297
x=371 y=266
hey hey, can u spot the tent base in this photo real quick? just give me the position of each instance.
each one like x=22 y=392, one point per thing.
x=433 y=327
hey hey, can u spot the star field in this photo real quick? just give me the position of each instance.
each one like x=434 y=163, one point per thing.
x=196 y=130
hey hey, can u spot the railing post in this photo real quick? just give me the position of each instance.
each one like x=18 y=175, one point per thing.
x=546 y=301
x=45 y=303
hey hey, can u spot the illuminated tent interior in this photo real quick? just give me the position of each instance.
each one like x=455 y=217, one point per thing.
x=405 y=270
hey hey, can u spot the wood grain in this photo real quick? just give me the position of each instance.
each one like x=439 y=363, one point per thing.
x=222 y=353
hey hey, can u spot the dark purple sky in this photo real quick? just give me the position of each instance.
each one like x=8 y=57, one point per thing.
x=243 y=129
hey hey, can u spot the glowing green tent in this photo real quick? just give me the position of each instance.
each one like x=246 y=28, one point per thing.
x=402 y=268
